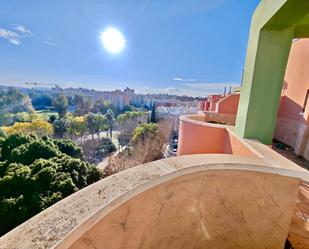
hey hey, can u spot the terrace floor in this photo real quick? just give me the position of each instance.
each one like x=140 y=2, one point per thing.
x=288 y=153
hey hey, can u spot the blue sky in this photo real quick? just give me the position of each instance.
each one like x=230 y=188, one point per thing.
x=193 y=47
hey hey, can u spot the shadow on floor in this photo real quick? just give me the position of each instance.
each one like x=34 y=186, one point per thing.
x=288 y=152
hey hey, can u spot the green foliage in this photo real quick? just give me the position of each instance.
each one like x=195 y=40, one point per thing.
x=129 y=116
x=61 y=104
x=13 y=141
x=145 y=131
x=153 y=117
x=105 y=148
x=82 y=103
x=36 y=173
x=61 y=127
x=78 y=126
x=28 y=153
x=101 y=106
x=41 y=101
x=127 y=108
x=13 y=101
x=96 y=123
x=2 y=133
x=68 y=147
x=111 y=120
x=128 y=121
x=52 y=118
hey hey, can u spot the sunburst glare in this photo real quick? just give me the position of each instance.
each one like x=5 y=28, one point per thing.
x=113 y=40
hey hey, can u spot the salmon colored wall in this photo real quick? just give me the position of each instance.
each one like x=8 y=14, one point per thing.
x=199 y=139
x=195 y=138
x=213 y=102
x=229 y=104
x=296 y=82
x=235 y=147
x=210 y=103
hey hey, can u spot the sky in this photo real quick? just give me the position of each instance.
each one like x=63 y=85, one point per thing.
x=183 y=47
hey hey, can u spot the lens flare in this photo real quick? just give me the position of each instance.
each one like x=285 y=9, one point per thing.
x=113 y=40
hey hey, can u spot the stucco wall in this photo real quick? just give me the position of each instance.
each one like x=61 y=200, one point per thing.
x=296 y=82
x=197 y=136
x=229 y=104
x=217 y=209
x=292 y=124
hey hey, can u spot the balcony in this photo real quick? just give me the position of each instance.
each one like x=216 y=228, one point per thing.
x=194 y=201
x=203 y=134
x=222 y=191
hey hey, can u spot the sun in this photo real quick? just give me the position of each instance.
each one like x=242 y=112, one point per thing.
x=113 y=40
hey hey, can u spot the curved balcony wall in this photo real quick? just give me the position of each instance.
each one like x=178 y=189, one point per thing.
x=196 y=201
x=198 y=135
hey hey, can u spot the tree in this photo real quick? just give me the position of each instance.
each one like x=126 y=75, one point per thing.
x=144 y=132
x=37 y=127
x=16 y=101
x=101 y=106
x=36 y=173
x=11 y=142
x=146 y=146
x=105 y=148
x=26 y=154
x=41 y=127
x=153 y=113
x=13 y=101
x=78 y=126
x=128 y=121
x=96 y=123
x=61 y=127
x=147 y=143
x=41 y=101
x=82 y=103
x=52 y=118
x=61 y=104
x=68 y=147
x=111 y=120
x=127 y=108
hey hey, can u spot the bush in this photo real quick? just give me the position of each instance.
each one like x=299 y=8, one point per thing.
x=36 y=173
x=105 y=148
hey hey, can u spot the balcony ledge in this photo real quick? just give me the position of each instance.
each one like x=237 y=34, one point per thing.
x=64 y=223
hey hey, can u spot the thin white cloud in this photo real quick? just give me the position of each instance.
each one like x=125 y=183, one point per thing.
x=178 y=79
x=9 y=35
x=169 y=90
x=183 y=80
x=49 y=43
x=211 y=85
x=204 y=89
x=15 y=37
x=173 y=91
x=22 y=29
x=14 y=41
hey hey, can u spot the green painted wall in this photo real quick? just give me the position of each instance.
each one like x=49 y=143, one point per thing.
x=273 y=27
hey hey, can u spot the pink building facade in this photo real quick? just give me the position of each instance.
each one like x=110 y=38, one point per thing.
x=293 y=115
x=292 y=123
